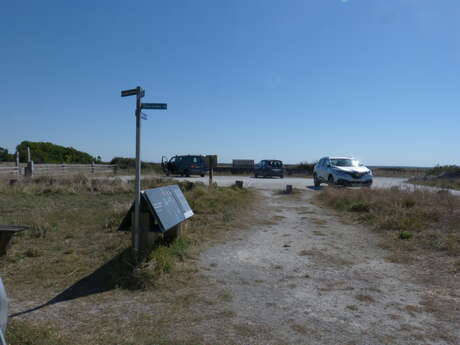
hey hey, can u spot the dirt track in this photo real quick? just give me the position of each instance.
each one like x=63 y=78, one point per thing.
x=306 y=278
x=298 y=275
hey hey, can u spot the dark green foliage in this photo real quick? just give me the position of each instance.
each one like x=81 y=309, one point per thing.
x=359 y=206
x=443 y=169
x=405 y=235
x=306 y=166
x=5 y=156
x=50 y=153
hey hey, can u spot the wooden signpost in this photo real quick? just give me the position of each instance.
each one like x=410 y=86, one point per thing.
x=211 y=161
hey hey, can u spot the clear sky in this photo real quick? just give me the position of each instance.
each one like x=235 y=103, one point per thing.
x=244 y=79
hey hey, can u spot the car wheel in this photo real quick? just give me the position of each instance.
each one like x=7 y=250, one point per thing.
x=330 y=180
x=202 y=175
x=256 y=175
x=316 y=181
x=281 y=176
x=168 y=173
x=187 y=173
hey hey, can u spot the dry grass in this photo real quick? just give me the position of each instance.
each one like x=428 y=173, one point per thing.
x=443 y=183
x=73 y=239
x=415 y=217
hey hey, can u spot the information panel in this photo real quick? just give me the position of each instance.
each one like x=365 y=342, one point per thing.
x=168 y=204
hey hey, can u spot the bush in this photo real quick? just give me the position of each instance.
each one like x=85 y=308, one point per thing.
x=443 y=169
x=44 y=152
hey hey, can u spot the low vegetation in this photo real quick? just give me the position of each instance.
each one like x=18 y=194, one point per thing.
x=128 y=166
x=411 y=219
x=73 y=244
x=445 y=177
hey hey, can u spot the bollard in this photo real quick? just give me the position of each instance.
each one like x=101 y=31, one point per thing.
x=239 y=184
x=289 y=189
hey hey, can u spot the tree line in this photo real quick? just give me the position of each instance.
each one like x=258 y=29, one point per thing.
x=45 y=152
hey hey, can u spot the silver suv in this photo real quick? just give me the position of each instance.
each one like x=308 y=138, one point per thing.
x=341 y=171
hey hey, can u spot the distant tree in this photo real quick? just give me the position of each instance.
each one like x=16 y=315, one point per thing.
x=45 y=152
x=5 y=156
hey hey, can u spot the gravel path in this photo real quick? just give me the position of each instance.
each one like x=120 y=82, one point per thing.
x=306 y=278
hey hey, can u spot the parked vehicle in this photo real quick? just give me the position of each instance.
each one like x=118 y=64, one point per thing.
x=185 y=165
x=341 y=171
x=269 y=167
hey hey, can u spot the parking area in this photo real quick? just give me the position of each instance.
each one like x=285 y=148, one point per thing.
x=276 y=183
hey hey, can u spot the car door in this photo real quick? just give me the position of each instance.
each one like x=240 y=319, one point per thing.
x=321 y=170
x=264 y=167
x=325 y=169
x=172 y=165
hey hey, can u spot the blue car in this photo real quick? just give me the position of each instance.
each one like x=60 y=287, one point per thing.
x=269 y=168
x=185 y=165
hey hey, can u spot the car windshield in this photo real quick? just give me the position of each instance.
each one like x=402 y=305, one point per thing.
x=344 y=162
x=275 y=164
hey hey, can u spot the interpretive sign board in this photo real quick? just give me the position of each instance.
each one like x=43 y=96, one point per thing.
x=166 y=204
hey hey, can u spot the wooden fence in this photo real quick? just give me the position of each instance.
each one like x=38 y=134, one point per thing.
x=54 y=169
x=9 y=170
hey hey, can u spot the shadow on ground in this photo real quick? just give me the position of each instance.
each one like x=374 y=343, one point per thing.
x=118 y=272
x=316 y=188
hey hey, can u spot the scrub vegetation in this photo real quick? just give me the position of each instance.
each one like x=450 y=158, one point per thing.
x=410 y=219
x=73 y=243
x=446 y=177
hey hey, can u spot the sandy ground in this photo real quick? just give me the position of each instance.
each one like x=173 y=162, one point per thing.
x=309 y=279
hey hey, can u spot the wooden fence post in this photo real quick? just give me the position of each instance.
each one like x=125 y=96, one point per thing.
x=29 y=169
x=92 y=167
x=17 y=163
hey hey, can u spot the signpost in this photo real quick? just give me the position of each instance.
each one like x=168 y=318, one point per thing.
x=139 y=93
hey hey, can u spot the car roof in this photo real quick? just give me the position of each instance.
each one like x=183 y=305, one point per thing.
x=337 y=157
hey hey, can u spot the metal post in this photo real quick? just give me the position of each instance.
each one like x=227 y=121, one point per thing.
x=136 y=228
x=137 y=201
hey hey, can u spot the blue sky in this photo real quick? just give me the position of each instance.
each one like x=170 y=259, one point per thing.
x=293 y=80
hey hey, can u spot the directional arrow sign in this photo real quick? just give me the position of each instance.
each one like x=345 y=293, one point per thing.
x=161 y=106
x=131 y=92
